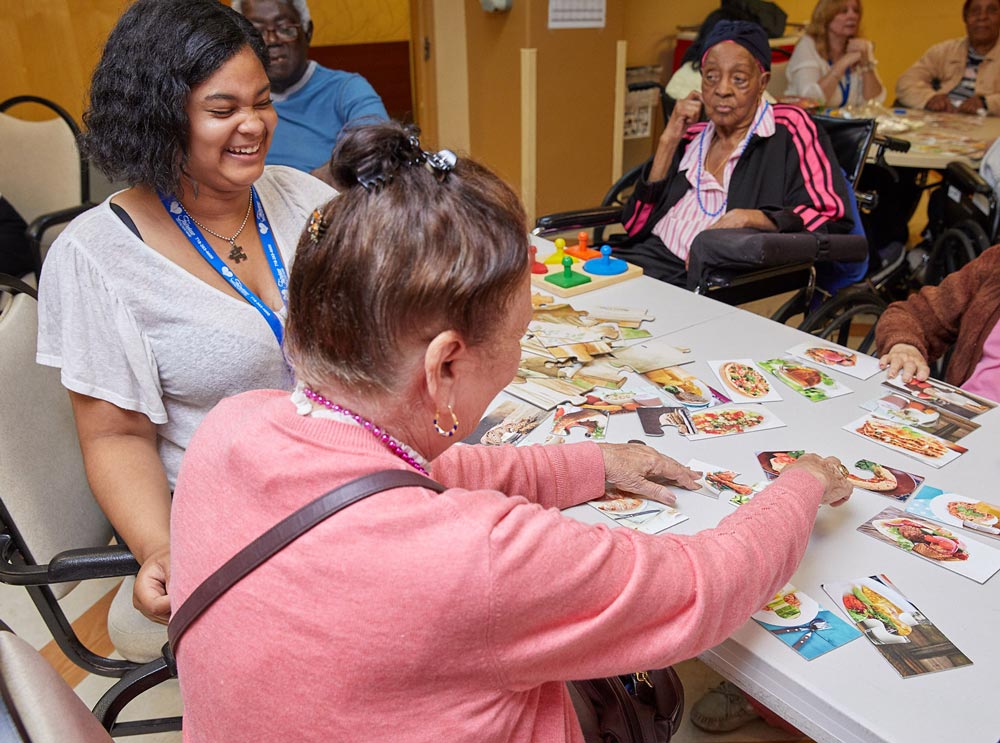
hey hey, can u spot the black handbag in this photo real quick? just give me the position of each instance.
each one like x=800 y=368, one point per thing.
x=642 y=708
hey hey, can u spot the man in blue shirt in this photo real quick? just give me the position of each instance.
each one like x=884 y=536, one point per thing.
x=313 y=102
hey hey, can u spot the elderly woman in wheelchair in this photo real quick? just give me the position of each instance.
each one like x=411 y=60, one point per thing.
x=752 y=165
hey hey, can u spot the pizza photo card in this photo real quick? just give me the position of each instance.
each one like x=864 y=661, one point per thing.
x=634 y=512
x=913 y=442
x=726 y=420
x=802 y=623
x=838 y=358
x=933 y=543
x=722 y=481
x=809 y=381
x=900 y=632
x=743 y=381
x=952 y=509
x=864 y=474
x=942 y=395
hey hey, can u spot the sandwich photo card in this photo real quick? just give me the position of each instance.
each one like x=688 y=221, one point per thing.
x=934 y=543
x=803 y=624
x=743 y=381
x=837 y=358
x=901 y=633
x=809 y=381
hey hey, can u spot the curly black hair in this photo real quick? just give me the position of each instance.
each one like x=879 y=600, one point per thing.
x=137 y=127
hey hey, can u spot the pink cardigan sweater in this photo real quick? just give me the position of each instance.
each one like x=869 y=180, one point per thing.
x=415 y=616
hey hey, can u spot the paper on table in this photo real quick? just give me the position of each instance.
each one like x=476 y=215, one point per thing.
x=956 y=510
x=645 y=357
x=803 y=624
x=725 y=420
x=838 y=358
x=744 y=381
x=907 y=440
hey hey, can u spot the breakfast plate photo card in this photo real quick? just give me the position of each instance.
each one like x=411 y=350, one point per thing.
x=723 y=481
x=908 y=440
x=863 y=474
x=800 y=622
x=743 y=381
x=729 y=419
x=901 y=633
x=580 y=424
x=809 y=381
x=934 y=543
x=641 y=514
x=942 y=395
x=921 y=415
x=952 y=509
x=507 y=423
x=838 y=358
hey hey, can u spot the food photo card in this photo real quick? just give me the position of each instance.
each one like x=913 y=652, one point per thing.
x=864 y=474
x=943 y=396
x=641 y=514
x=507 y=423
x=682 y=388
x=838 y=358
x=809 y=381
x=952 y=509
x=743 y=381
x=716 y=481
x=921 y=415
x=800 y=622
x=655 y=419
x=579 y=424
x=933 y=543
x=908 y=440
x=726 y=420
x=901 y=633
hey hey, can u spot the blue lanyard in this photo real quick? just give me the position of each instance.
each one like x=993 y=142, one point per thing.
x=186 y=225
x=845 y=86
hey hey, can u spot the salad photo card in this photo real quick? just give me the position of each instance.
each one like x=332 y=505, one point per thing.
x=838 y=358
x=641 y=514
x=943 y=396
x=913 y=442
x=743 y=381
x=898 y=630
x=812 y=383
x=800 y=622
x=933 y=543
x=952 y=509
x=863 y=474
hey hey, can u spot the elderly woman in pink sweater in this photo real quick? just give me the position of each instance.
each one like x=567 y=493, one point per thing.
x=414 y=615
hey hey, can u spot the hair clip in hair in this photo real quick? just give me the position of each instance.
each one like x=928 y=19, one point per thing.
x=372 y=182
x=317 y=226
x=442 y=161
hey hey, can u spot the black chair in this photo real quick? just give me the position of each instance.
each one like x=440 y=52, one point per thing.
x=52 y=532
x=44 y=175
x=738 y=266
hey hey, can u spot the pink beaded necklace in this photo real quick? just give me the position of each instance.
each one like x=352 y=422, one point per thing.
x=391 y=444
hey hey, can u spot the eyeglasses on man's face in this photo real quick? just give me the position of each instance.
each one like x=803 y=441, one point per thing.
x=284 y=32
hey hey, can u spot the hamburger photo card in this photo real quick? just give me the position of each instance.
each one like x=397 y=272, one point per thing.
x=906 y=638
x=809 y=381
x=838 y=358
x=743 y=381
x=934 y=543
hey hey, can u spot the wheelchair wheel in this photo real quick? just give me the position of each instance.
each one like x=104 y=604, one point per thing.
x=953 y=249
x=848 y=319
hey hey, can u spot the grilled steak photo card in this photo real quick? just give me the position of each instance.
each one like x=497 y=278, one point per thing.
x=838 y=358
x=800 y=622
x=952 y=509
x=743 y=381
x=898 y=629
x=809 y=381
x=934 y=543
x=913 y=442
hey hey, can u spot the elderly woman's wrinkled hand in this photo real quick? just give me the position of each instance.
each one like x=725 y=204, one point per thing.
x=640 y=469
x=831 y=472
x=687 y=112
x=905 y=360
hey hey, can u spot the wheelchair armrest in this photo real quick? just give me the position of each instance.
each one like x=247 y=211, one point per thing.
x=966 y=178
x=72 y=565
x=597 y=216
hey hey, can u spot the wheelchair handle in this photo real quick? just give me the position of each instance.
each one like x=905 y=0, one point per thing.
x=884 y=142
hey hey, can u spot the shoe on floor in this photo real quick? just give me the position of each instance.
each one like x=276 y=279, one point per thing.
x=722 y=709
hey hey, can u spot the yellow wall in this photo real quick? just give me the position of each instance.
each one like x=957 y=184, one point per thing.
x=359 y=21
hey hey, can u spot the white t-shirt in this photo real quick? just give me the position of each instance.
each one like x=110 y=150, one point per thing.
x=129 y=326
x=806 y=67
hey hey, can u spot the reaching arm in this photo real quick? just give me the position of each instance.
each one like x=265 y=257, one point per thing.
x=127 y=478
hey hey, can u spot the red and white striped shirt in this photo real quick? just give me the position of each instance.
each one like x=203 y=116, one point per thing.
x=678 y=228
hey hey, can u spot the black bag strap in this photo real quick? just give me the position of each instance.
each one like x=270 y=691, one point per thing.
x=281 y=535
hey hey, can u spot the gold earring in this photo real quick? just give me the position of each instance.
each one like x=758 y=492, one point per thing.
x=454 y=423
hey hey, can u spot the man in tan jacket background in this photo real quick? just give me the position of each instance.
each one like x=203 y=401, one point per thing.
x=959 y=75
